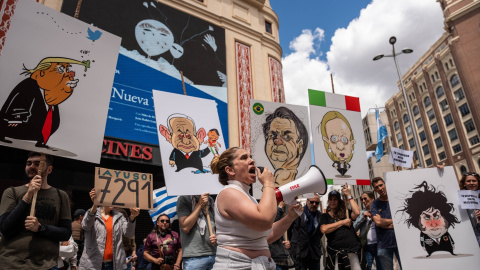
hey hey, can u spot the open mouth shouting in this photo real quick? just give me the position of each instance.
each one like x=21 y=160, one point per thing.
x=252 y=172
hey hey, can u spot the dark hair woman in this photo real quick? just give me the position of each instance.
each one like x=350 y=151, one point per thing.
x=470 y=181
x=163 y=246
x=245 y=227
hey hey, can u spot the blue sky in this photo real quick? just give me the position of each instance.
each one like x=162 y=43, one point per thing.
x=341 y=37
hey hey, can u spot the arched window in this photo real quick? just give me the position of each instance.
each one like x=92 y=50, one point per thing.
x=463 y=169
x=440 y=92
x=405 y=118
x=397 y=126
x=415 y=110
x=454 y=80
x=427 y=102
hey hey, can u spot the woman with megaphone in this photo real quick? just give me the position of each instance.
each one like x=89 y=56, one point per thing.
x=344 y=247
x=245 y=227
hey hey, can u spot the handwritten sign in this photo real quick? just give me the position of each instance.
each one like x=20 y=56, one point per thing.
x=400 y=157
x=469 y=199
x=123 y=189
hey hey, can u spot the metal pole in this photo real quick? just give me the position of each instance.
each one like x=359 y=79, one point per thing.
x=412 y=124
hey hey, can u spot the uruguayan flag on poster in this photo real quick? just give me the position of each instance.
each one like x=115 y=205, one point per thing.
x=381 y=134
x=163 y=204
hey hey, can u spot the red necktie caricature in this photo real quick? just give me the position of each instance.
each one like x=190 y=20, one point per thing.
x=47 y=126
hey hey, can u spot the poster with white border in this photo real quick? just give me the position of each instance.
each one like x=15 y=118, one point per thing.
x=43 y=50
x=189 y=137
x=338 y=140
x=426 y=210
x=285 y=148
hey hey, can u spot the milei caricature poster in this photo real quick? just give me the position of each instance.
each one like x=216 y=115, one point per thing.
x=56 y=75
x=431 y=229
x=337 y=132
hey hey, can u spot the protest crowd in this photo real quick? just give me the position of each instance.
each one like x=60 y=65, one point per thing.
x=233 y=232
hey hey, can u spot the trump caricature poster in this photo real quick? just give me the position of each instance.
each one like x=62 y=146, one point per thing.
x=56 y=75
x=431 y=229
x=337 y=132
x=280 y=141
x=189 y=136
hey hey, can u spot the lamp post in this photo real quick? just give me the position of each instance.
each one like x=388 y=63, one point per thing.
x=392 y=41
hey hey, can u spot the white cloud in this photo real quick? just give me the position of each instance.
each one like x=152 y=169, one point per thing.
x=416 y=24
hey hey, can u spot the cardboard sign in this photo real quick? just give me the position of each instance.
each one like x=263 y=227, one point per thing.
x=399 y=157
x=123 y=189
x=469 y=199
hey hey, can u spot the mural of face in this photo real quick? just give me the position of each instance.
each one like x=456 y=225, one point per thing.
x=338 y=138
x=58 y=82
x=282 y=145
x=155 y=38
x=432 y=223
x=183 y=135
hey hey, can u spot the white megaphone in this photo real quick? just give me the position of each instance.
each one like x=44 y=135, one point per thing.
x=312 y=181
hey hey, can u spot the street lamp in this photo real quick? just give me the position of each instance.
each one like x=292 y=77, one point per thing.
x=392 y=41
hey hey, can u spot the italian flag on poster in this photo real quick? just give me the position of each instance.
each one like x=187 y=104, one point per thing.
x=339 y=143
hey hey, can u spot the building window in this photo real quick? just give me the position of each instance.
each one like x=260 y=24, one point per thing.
x=423 y=137
x=401 y=146
x=444 y=104
x=457 y=148
x=434 y=128
x=454 y=80
x=429 y=162
x=413 y=95
x=463 y=169
x=419 y=122
x=405 y=118
x=451 y=63
x=401 y=106
x=433 y=78
x=459 y=94
x=430 y=114
x=416 y=111
x=415 y=154
x=442 y=156
x=469 y=126
x=464 y=110
x=409 y=130
x=427 y=102
x=399 y=137
x=436 y=75
x=424 y=86
x=396 y=125
x=474 y=140
x=411 y=143
x=446 y=66
x=438 y=142
x=440 y=92
x=268 y=27
x=426 y=151
x=448 y=119
x=452 y=134
x=421 y=88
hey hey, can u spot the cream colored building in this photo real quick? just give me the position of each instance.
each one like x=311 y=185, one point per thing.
x=253 y=54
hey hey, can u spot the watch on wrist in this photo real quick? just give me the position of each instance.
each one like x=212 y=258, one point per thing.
x=350 y=198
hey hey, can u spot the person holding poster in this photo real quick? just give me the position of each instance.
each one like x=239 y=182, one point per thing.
x=343 y=246
x=104 y=230
x=32 y=242
x=386 y=241
x=245 y=227
x=470 y=181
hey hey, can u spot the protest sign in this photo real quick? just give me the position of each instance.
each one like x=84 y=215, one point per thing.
x=123 y=189
x=400 y=157
x=469 y=199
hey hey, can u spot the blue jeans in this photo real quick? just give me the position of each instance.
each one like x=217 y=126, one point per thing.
x=54 y=268
x=107 y=266
x=281 y=267
x=199 y=263
x=370 y=255
x=386 y=257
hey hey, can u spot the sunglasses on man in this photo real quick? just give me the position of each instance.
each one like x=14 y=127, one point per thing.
x=314 y=202
x=164 y=221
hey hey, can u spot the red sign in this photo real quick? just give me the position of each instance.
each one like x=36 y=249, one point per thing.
x=114 y=148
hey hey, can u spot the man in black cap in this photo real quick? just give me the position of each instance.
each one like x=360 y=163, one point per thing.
x=306 y=245
x=77 y=230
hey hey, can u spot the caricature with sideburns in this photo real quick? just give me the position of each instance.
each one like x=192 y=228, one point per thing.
x=338 y=140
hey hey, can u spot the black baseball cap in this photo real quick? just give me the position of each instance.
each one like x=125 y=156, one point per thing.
x=336 y=194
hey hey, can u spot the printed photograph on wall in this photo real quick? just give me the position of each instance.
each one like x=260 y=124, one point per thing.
x=337 y=132
x=55 y=81
x=159 y=44
x=280 y=140
x=189 y=135
x=431 y=229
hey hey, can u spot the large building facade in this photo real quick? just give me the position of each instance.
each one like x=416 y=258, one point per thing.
x=442 y=90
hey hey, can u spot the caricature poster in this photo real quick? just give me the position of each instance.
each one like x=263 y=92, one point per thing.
x=56 y=75
x=280 y=141
x=159 y=43
x=189 y=136
x=432 y=231
x=337 y=132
